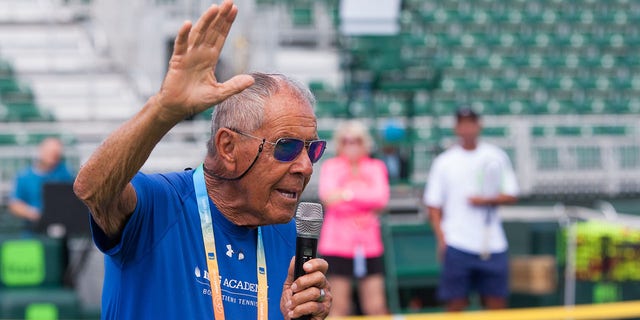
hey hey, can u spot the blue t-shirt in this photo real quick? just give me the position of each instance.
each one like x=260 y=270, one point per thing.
x=158 y=268
x=29 y=182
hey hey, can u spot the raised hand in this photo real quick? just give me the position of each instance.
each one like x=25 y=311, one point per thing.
x=190 y=85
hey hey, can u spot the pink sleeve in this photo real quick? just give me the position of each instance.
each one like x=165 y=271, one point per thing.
x=376 y=195
x=327 y=183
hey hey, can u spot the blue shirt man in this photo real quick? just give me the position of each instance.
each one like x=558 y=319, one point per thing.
x=26 y=199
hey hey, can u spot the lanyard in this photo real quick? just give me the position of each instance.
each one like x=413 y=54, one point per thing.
x=210 y=251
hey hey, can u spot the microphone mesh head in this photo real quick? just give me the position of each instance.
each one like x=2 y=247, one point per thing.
x=309 y=219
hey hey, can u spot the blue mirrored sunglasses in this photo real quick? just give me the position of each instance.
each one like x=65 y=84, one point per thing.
x=288 y=149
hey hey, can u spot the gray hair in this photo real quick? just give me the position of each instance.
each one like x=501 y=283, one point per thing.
x=245 y=110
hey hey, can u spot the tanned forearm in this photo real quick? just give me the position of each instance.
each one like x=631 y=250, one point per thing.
x=188 y=88
x=501 y=199
x=103 y=182
x=504 y=199
x=435 y=219
x=22 y=210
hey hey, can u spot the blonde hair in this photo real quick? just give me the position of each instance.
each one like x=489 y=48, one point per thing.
x=353 y=129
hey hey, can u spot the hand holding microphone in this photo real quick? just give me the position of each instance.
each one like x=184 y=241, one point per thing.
x=306 y=293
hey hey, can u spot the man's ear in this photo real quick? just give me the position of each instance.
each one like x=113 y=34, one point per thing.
x=226 y=147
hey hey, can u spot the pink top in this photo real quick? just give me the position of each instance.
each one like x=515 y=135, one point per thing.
x=354 y=222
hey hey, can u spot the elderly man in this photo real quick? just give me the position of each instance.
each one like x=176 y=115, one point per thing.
x=217 y=241
x=26 y=200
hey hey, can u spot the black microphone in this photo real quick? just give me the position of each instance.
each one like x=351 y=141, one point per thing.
x=308 y=224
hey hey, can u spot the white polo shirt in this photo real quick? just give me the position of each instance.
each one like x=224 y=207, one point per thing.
x=458 y=174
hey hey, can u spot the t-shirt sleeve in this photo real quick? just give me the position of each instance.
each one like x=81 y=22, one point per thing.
x=327 y=183
x=19 y=189
x=68 y=175
x=434 y=190
x=157 y=208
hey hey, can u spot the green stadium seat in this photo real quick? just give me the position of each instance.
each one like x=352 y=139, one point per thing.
x=391 y=108
x=554 y=106
x=328 y=102
x=8 y=84
x=39 y=304
x=31 y=262
x=582 y=107
x=422 y=134
x=326 y=134
x=519 y=106
x=422 y=108
x=25 y=111
x=7 y=139
x=443 y=102
x=302 y=14
x=627 y=105
x=361 y=109
x=439 y=15
x=331 y=108
x=410 y=259
x=539 y=131
x=495 y=132
x=499 y=108
x=22 y=94
x=31 y=279
x=573 y=131
x=609 y=130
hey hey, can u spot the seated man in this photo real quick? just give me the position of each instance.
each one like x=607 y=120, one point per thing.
x=26 y=200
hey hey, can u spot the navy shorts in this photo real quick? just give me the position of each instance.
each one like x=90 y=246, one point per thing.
x=464 y=272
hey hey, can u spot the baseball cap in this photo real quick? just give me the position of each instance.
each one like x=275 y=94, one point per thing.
x=466 y=112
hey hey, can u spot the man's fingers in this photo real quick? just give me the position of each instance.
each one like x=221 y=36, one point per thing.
x=315 y=275
x=219 y=29
x=317 y=264
x=310 y=308
x=311 y=294
x=199 y=32
x=235 y=85
x=314 y=279
x=181 y=44
x=290 y=278
x=307 y=290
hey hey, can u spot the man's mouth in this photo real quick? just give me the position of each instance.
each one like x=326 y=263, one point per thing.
x=288 y=193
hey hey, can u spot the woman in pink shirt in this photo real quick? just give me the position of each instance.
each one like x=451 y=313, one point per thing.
x=354 y=189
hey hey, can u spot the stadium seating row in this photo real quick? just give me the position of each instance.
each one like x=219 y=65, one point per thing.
x=525 y=56
x=17 y=101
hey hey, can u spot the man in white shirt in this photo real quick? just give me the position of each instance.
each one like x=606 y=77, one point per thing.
x=466 y=183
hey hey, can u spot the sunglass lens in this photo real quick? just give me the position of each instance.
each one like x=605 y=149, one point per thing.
x=287 y=149
x=316 y=149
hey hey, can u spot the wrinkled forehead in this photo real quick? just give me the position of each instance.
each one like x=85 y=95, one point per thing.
x=287 y=102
